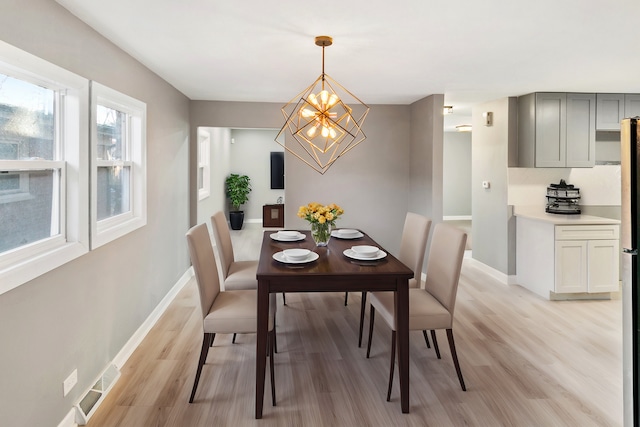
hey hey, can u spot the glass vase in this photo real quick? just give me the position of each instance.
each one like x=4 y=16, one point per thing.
x=321 y=233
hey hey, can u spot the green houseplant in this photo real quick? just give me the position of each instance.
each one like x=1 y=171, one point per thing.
x=238 y=188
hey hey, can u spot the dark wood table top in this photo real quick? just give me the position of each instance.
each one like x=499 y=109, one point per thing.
x=331 y=263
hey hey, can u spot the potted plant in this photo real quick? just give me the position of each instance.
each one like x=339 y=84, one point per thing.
x=238 y=189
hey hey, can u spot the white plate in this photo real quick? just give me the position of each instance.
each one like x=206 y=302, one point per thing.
x=351 y=254
x=276 y=236
x=279 y=256
x=335 y=234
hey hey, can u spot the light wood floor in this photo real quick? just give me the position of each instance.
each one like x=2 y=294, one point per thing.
x=526 y=362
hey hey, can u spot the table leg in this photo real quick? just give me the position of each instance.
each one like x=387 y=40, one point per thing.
x=261 y=343
x=402 y=323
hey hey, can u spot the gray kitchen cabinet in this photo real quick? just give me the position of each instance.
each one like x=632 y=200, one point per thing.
x=613 y=107
x=631 y=106
x=581 y=130
x=556 y=130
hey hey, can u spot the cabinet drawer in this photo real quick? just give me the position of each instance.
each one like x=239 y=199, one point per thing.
x=586 y=232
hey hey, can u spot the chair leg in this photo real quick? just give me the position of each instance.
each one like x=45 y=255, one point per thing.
x=207 y=341
x=454 y=356
x=424 y=333
x=346 y=297
x=233 y=341
x=275 y=341
x=284 y=299
x=372 y=317
x=271 y=344
x=393 y=363
x=435 y=343
x=363 y=306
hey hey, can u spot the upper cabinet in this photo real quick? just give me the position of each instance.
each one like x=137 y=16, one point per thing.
x=556 y=130
x=613 y=107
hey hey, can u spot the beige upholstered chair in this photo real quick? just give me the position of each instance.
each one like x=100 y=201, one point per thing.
x=432 y=307
x=236 y=274
x=412 y=249
x=222 y=311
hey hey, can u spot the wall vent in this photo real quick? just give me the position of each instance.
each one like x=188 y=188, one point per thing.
x=92 y=399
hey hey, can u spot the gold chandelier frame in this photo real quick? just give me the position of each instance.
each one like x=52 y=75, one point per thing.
x=323 y=125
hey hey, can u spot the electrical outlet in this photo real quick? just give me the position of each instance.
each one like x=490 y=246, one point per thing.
x=70 y=382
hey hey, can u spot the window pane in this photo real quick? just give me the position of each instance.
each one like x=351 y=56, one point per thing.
x=27 y=125
x=9 y=183
x=113 y=191
x=111 y=134
x=28 y=220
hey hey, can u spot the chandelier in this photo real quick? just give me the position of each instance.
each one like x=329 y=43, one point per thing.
x=325 y=120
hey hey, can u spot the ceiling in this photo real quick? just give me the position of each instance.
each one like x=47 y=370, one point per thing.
x=385 y=52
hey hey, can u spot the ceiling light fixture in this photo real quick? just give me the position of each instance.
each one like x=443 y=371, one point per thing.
x=322 y=120
x=447 y=109
x=463 y=128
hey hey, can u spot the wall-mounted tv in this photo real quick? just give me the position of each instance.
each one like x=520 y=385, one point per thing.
x=277 y=170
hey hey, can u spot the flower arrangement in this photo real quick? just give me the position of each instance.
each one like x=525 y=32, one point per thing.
x=321 y=218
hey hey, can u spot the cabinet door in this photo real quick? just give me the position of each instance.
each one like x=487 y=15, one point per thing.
x=610 y=110
x=571 y=266
x=603 y=261
x=581 y=130
x=551 y=134
x=631 y=106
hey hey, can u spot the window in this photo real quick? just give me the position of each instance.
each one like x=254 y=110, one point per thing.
x=43 y=172
x=204 y=160
x=118 y=186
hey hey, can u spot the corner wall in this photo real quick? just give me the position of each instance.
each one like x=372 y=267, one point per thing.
x=493 y=225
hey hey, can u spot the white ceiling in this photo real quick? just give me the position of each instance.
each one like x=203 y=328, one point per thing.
x=385 y=52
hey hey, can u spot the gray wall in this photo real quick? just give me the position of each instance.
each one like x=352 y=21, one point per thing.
x=456 y=180
x=493 y=226
x=427 y=129
x=82 y=313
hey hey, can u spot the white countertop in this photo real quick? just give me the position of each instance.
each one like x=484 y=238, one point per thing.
x=539 y=214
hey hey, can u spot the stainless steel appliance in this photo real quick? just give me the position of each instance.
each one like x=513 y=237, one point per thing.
x=630 y=167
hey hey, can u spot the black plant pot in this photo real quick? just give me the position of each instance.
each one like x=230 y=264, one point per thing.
x=236 y=218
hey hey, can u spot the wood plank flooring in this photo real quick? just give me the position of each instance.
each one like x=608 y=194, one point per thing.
x=526 y=362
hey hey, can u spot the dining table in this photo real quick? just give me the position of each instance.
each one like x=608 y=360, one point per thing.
x=330 y=271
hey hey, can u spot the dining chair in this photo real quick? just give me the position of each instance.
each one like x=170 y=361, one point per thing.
x=236 y=274
x=223 y=312
x=413 y=246
x=430 y=308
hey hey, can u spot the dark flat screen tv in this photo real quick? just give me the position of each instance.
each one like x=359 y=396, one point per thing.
x=277 y=170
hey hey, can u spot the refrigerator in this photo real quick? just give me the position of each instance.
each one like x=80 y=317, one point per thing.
x=629 y=234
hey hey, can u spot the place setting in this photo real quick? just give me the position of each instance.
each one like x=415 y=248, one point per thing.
x=287 y=236
x=365 y=253
x=346 y=233
x=295 y=256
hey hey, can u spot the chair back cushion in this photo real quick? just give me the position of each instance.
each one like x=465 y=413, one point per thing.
x=223 y=241
x=414 y=244
x=204 y=266
x=444 y=264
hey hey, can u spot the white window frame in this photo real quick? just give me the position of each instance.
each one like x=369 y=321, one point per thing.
x=70 y=208
x=108 y=229
x=204 y=163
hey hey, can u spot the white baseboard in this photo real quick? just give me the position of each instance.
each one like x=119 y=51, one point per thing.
x=123 y=355
x=457 y=218
x=69 y=420
x=498 y=275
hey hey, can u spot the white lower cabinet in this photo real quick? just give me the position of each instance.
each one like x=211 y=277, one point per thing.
x=586 y=266
x=559 y=257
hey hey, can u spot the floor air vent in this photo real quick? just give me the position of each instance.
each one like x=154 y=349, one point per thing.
x=96 y=394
